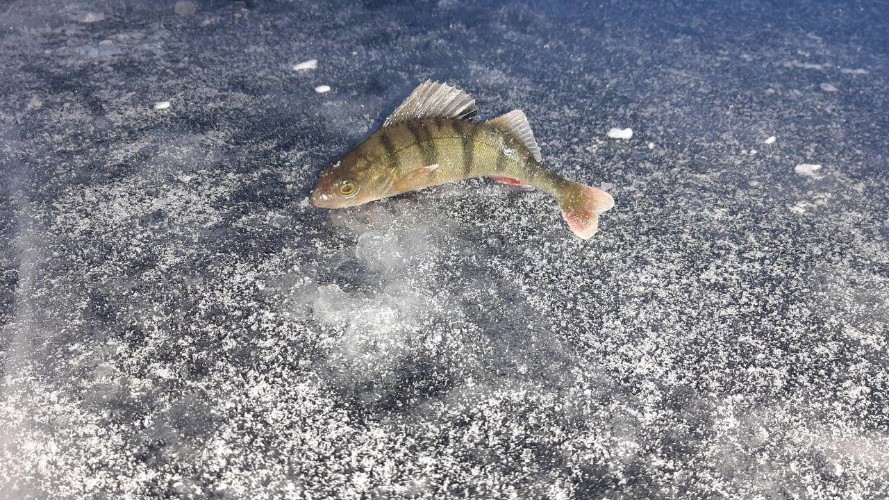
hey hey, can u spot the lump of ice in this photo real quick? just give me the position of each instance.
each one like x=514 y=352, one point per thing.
x=620 y=133
x=306 y=65
x=807 y=169
x=321 y=89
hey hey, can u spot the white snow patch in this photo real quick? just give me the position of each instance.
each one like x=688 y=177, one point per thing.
x=807 y=169
x=93 y=17
x=827 y=87
x=306 y=65
x=770 y=140
x=618 y=133
x=650 y=145
x=161 y=105
x=322 y=89
x=854 y=71
x=804 y=65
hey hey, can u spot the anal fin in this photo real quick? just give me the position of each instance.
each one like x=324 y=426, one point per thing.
x=509 y=181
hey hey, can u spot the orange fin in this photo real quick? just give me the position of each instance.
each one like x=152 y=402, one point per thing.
x=511 y=182
x=415 y=179
x=581 y=208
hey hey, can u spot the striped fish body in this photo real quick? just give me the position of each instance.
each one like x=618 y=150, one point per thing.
x=430 y=140
x=421 y=153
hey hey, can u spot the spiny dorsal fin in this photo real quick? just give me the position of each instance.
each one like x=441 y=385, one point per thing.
x=516 y=123
x=434 y=100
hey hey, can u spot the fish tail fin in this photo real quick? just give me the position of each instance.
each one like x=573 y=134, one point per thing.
x=581 y=207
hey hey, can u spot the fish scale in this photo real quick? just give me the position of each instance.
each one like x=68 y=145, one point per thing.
x=430 y=139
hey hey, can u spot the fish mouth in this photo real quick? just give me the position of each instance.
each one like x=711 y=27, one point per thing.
x=321 y=195
x=321 y=199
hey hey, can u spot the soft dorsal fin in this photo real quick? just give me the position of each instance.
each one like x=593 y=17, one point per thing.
x=516 y=123
x=434 y=100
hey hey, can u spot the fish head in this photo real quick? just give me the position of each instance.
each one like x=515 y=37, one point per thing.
x=343 y=185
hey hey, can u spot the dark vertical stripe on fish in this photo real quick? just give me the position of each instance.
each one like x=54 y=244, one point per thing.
x=424 y=142
x=501 y=160
x=389 y=148
x=468 y=139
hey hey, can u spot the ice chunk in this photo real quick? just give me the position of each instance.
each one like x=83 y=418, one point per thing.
x=770 y=140
x=618 y=133
x=306 y=65
x=807 y=169
x=322 y=89
x=161 y=105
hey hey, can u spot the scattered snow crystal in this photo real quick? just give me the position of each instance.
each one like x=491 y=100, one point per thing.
x=618 y=133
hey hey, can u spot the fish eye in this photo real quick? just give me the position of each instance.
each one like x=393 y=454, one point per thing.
x=348 y=188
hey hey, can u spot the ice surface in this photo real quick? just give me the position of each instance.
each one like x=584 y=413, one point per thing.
x=176 y=320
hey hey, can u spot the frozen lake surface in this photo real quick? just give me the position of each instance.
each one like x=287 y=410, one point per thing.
x=177 y=320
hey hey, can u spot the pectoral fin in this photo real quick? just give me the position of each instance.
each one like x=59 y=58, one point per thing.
x=416 y=179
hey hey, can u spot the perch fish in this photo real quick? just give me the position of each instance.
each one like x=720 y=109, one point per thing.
x=431 y=139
